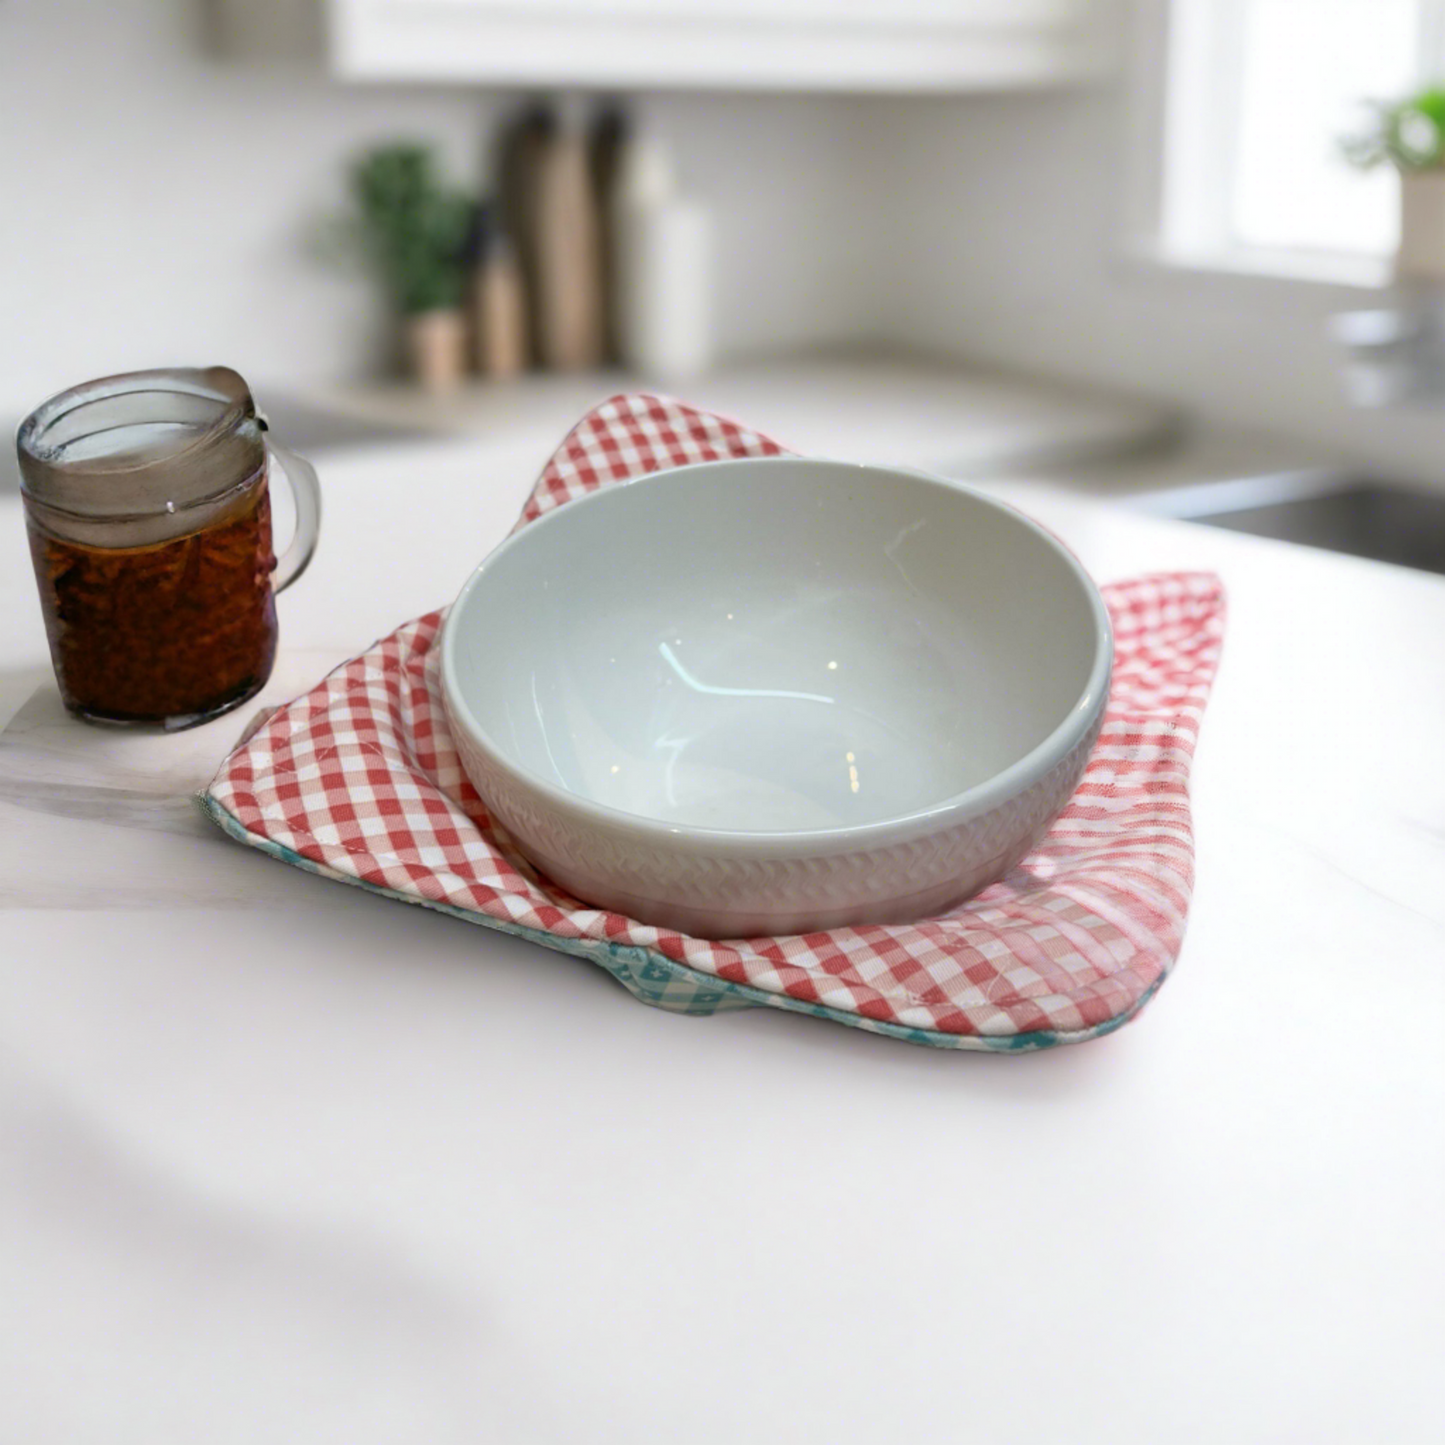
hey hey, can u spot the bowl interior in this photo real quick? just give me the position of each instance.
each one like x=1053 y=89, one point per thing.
x=778 y=645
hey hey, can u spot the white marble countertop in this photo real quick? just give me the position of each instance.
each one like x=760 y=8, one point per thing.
x=286 y=1162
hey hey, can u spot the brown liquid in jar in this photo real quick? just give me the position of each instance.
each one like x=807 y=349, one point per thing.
x=168 y=633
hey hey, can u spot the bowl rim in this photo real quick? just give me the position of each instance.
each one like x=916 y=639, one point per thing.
x=982 y=798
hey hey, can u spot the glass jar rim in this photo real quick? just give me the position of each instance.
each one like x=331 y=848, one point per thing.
x=216 y=444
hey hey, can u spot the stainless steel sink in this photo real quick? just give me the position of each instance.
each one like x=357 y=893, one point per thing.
x=1359 y=516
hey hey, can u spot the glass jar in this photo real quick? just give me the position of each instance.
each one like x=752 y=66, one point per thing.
x=150 y=525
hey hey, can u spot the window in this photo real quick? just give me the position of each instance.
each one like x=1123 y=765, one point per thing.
x=1256 y=96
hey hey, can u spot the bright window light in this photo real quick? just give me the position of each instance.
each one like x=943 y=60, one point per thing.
x=1258 y=93
x=1305 y=68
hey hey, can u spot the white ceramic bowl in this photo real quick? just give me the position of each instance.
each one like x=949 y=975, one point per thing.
x=777 y=695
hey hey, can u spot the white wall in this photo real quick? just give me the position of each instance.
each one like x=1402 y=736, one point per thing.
x=1006 y=245
x=155 y=202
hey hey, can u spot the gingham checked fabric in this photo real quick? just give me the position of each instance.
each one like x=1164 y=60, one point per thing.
x=359 y=780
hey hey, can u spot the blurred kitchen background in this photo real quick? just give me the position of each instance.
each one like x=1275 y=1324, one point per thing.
x=1115 y=246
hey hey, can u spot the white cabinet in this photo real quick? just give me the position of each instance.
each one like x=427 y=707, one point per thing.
x=781 y=45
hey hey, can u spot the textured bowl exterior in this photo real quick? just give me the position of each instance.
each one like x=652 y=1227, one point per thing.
x=921 y=853
x=711 y=886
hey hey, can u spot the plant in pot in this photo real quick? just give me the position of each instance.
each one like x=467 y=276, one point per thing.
x=413 y=229
x=1409 y=134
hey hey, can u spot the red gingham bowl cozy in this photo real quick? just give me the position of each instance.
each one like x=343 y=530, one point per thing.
x=359 y=780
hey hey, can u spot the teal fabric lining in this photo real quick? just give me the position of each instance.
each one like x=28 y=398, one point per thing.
x=663 y=983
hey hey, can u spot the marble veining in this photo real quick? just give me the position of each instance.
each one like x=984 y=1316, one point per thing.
x=201 y=1049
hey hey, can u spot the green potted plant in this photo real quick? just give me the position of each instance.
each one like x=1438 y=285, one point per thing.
x=1409 y=134
x=413 y=230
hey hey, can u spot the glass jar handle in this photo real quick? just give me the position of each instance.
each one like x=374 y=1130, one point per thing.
x=301 y=476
